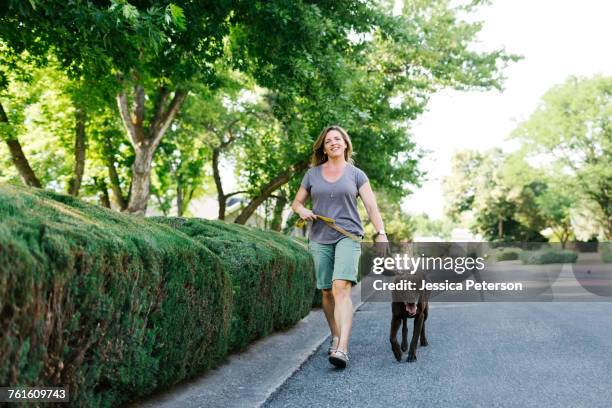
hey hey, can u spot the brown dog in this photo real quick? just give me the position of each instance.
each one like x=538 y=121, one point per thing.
x=409 y=304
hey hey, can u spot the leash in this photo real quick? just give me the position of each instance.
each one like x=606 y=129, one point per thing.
x=331 y=223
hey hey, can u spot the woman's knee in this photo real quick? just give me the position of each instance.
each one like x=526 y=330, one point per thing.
x=341 y=289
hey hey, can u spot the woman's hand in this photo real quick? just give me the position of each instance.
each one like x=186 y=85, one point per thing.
x=306 y=214
x=381 y=243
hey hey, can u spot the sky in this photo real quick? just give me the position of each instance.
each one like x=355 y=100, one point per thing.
x=556 y=39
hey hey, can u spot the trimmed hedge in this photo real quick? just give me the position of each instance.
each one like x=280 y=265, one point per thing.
x=115 y=306
x=272 y=277
x=507 y=256
x=606 y=252
x=548 y=257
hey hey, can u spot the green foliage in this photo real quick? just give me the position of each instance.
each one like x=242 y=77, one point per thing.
x=41 y=116
x=272 y=277
x=425 y=226
x=555 y=204
x=606 y=252
x=175 y=14
x=399 y=226
x=507 y=256
x=183 y=153
x=499 y=192
x=548 y=256
x=109 y=305
x=115 y=307
x=347 y=62
x=571 y=127
x=371 y=82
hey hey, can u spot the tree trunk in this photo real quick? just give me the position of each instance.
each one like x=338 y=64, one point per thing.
x=109 y=157
x=18 y=157
x=161 y=205
x=268 y=189
x=221 y=198
x=179 y=197
x=277 y=214
x=145 y=140
x=103 y=192
x=141 y=181
x=74 y=184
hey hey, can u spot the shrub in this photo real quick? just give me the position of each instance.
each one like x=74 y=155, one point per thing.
x=110 y=305
x=507 y=256
x=115 y=306
x=549 y=256
x=272 y=277
x=587 y=246
x=606 y=252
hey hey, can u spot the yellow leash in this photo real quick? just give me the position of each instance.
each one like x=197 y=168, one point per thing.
x=331 y=223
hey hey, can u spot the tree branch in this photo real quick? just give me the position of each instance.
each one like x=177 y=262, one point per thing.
x=163 y=94
x=124 y=111
x=268 y=189
x=18 y=157
x=114 y=177
x=221 y=198
x=236 y=193
x=159 y=128
x=79 y=152
x=138 y=106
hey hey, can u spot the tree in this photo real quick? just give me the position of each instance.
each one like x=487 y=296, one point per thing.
x=180 y=167
x=348 y=62
x=39 y=148
x=382 y=79
x=153 y=50
x=555 y=205
x=499 y=193
x=158 y=49
x=573 y=127
x=424 y=225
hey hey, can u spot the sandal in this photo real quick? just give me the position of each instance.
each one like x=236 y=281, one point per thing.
x=339 y=358
x=331 y=347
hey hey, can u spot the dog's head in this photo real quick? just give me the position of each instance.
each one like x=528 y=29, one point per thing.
x=409 y=297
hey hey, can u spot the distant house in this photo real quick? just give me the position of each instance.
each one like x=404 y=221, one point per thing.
x=208 y=207
x=233 y=207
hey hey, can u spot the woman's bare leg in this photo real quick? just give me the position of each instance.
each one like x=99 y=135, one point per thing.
x=343 y=312
x=328 y=309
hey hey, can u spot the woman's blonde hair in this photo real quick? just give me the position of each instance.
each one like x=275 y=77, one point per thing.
x=318 y=148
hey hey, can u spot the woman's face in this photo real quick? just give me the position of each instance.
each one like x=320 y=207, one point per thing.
x=334 y=144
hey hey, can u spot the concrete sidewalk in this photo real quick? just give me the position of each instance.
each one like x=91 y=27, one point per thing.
x=247 y=379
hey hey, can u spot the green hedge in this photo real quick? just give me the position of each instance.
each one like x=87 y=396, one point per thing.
x=507 y=256
x=272 y=277
x=548 y=257
x=115 y=306
x=606 y=252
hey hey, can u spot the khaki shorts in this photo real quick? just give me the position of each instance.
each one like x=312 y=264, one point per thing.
x=335 y=261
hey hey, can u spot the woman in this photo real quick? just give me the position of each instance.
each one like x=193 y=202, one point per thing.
x=334 y=184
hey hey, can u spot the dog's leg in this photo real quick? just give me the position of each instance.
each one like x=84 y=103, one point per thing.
x=395 y=324
x=424 y=342
x=418 y=325
x=404 y=334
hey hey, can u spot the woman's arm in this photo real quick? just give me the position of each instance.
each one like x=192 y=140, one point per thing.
x=369 y=200
x=298 y=205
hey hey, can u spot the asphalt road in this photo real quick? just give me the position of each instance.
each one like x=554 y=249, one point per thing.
x=479 y=355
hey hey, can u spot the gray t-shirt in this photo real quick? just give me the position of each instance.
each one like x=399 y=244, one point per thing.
x=337 y=200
